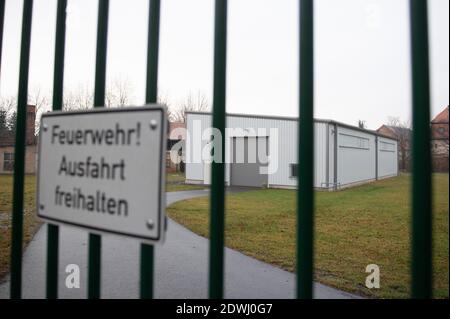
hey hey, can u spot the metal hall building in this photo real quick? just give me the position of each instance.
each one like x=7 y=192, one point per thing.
x=344 y=156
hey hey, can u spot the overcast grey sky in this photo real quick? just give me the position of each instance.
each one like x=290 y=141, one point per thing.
x=362 y=60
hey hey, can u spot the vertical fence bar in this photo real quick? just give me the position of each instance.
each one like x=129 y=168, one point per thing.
x=305 y=193
x=52 y=261
x=216 y=258
x=151 y=96
x=95 y=241
x=58 y=80
x=151 y=92
x=2 y=19
x=19 y=154
x=421 y=190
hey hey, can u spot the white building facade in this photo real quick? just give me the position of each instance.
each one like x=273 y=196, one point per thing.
x=261 y=151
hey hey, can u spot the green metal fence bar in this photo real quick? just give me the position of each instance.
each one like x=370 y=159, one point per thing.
x=151 y=92
x=58 y=80
x=52 y=261
x=217 y=198
x=2 y=19
x=19 y=154
x=421 y=190
x=95 y=241
x=151 y=96
x=305 y=193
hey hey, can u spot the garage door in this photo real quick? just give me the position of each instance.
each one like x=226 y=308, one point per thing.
x=245 y=166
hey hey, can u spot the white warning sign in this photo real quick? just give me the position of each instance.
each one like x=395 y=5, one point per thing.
x=104 y=170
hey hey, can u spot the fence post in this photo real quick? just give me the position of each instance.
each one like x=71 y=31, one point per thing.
x=2 y=19
x=217 y=198
x=151 y=96
x=421 y=190
x=58 y=78
x=305 y=193
x=95 y=241
x=19 y=154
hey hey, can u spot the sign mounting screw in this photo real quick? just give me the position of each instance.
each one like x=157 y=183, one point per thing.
x=150 y=223
x=153 y=124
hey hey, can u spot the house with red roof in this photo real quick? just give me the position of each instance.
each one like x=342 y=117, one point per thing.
x=439 y=141
x=8 y=139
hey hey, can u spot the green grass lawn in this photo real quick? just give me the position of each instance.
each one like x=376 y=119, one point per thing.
x=175 y=183
x=31 y=222
x=182 y=187
x=353 y=228
x=175 y=177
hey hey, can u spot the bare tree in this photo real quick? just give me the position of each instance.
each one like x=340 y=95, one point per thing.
x=80 y=99
x=397 y=122
x=171 y=111
x=12 y=122
x=69 y=101
x=118 y=93
x=402 y=130
x=197 y=103
x=39 y=99
x=3 y=120
x=8 y=104
x=42 y=103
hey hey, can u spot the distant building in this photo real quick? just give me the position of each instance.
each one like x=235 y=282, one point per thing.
x=439 y=141
x=403 y=135
x=7 y=141
x=261 y=151
x=176 y=137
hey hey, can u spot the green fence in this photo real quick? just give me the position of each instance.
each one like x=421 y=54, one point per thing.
x=421 y=208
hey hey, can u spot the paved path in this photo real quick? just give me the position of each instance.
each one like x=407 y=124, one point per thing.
x=181 y=269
